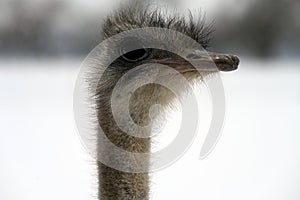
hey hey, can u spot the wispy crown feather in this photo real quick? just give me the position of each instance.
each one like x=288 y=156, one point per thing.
x=138 y=15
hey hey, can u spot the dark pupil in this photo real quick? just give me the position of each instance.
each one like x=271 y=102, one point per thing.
x=135 y=55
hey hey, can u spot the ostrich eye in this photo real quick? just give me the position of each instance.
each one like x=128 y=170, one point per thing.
x=136 y=55
x=132 y=50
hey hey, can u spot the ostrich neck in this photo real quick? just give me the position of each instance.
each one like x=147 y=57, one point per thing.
x=115 y=184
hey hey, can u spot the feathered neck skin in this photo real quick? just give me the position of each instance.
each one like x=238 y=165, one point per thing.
x=114 y=184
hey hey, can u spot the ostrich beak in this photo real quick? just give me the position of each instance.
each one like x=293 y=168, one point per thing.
x=203 y=62
x=209 y=61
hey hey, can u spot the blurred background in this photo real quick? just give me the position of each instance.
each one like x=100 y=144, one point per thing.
x=42 y=44
x=260 y=28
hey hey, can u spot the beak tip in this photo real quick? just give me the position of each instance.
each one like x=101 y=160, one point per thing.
x=236 y=61
x=231 y=63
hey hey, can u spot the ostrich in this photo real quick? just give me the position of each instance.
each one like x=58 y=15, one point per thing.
x=115 y=184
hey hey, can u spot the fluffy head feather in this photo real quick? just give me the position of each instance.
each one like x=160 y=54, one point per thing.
x=138 y=15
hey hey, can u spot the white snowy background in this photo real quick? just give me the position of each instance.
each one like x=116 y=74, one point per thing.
x=258 y=156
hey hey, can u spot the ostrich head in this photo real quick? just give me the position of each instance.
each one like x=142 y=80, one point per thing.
x=137 y=16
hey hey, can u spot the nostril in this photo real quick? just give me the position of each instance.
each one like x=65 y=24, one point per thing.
x=189 y=56
x=193 y=56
